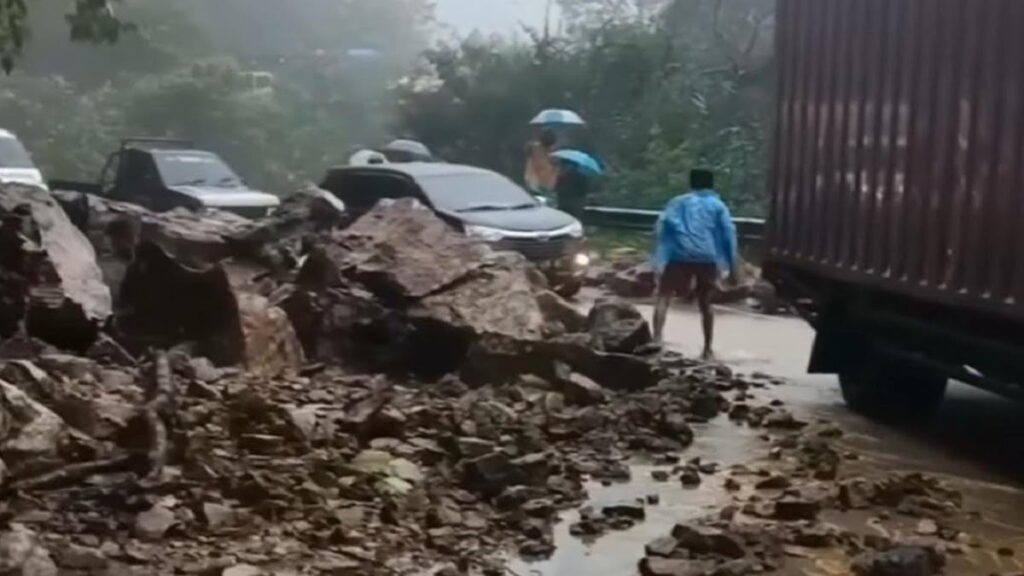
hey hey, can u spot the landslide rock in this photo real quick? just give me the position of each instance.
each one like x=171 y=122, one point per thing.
x=617 y=326
x=900 y=561
x=496 y=298
x=166 y=303
x=49 y=278
x=401 y=250
x=277 y=238
x=21 y=554
x=28 y=430
x=636 y=282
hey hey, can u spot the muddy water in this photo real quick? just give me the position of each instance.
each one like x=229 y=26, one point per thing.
x=617 y=553
x=976 y=443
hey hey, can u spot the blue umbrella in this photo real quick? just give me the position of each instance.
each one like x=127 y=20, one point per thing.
x=557 y=116
x=586 y=163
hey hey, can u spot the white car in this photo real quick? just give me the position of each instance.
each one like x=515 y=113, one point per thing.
x=15 y=162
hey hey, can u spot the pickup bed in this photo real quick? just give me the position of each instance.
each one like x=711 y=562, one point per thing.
x=162 y=175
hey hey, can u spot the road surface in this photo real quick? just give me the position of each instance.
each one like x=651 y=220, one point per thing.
x=976 y=443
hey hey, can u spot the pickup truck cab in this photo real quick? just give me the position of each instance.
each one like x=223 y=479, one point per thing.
x=15 y=162
x=162 y=175
x=479 y=203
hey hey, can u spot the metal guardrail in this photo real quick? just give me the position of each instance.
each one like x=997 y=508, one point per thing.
x=749 y=230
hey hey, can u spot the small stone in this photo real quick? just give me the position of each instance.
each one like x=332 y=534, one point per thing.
x=704 y=539
x=81 y=557
x=927 y=527
x=792 y=509
x=217 y=515
x=653 y=499
x=690 y=478
x=660 y=475
x=151 y=525
x=632 y=510
x=1005 y=551
x=732 y=484
x=536 y=549
x=900 y=561
x=470 y=447
x=774 y=482
x=663 y=547
x=243 y=570
x=654 y=566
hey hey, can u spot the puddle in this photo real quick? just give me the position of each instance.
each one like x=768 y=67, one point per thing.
x=617 y=553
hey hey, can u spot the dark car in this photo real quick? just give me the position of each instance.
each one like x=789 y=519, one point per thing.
x=480 y=203
x=162 y=175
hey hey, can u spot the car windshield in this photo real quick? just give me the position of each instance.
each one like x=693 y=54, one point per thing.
x=13 y=154
x=477 y=191
x=195 y=169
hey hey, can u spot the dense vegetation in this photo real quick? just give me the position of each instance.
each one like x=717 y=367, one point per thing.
x=665 y=84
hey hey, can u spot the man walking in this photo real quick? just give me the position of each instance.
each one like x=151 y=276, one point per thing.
x=696 y=239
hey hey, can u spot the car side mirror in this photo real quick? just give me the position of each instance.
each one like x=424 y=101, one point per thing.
x=542 y=200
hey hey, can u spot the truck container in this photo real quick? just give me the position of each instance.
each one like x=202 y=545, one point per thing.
x=897 y=218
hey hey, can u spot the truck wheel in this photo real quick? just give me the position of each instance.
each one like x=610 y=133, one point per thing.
x=893 y=390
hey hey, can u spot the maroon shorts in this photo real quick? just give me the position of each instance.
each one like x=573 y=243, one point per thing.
x=688 y=279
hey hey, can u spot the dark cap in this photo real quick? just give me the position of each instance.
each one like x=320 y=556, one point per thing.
x=701 y=179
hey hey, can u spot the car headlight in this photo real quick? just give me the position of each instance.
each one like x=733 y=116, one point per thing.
x=484 y=233
x=575 y=230
x=582 y=259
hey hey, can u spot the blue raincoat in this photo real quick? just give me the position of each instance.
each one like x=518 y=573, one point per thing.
x=695 y=228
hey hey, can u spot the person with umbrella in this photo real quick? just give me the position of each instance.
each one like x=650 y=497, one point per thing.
x=541 y=173
x=575 y=174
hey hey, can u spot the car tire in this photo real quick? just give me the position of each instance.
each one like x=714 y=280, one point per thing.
x=892 y=390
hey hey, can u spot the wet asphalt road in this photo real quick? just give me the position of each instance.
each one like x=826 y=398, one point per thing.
x=976 y=443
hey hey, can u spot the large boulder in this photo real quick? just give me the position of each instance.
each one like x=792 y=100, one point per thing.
x=496 y=298
x=617 y=326
x=403 y=251
x=29 y=431
x=191 y=237
x=49 y=279
x=165 y=303
x=21 y=554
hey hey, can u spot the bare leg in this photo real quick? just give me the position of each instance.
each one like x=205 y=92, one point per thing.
x=707 y=316
x=660 y=316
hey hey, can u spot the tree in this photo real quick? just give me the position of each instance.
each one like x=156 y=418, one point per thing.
x=87 y=21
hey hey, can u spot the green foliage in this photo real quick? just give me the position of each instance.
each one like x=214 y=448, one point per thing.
x=665 y=87
x=87 y=21
x=186 y=71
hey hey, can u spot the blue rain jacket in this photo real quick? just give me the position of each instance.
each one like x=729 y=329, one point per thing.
x=695 y=228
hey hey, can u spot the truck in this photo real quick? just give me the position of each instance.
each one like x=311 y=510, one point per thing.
x=897 y=213
x=163 y=174
x=479 y=203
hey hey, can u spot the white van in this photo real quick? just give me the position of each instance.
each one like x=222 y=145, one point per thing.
x=15 y=162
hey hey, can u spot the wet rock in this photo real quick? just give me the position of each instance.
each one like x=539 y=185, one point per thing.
x=635 y=282
x=663 y=547
x=617 y=326
x=927 y=527
x=402 y=250
x=707 y=540
x=631 y=510
x=660 y=475
x=29 y=431
x=578 y=389
x=469 y=447
x=655 y=566
x=491 y=474
x=151 y=525
x=21 y=554
x=705 y=404
x=790 y=509
x=243 y=570
x=901 y=561
x=49 y=277
x=690 y=478
x=675 y=426
x=557 y=310
x=165 y=303
x=79 y=557
x=774 y=482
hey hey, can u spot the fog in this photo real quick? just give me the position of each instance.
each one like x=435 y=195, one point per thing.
x=491 y=16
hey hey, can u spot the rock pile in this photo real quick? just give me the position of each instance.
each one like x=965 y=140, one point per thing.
x=320 y=398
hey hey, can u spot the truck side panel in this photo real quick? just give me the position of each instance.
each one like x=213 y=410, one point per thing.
x=900 y=148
